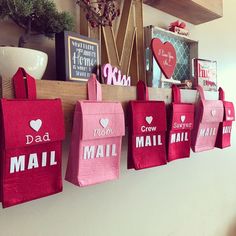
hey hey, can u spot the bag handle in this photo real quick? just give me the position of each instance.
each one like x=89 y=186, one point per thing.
x=94 y=89
x=201 y=92
x=221 y=94
x=142 y=91
x=24 y=88
x=176 y=96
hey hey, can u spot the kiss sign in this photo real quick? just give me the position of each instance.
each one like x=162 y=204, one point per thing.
x=112 y=75
x=165 y=56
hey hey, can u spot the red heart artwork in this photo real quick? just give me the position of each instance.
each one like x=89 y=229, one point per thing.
x=165 y=56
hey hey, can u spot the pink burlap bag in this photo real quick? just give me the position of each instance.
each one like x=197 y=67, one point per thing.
x=208 y=115
x=96 y=139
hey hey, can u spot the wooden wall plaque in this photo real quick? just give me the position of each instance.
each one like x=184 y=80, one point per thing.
x=77 y=56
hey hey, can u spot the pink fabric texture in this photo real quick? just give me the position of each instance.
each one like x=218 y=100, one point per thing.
x=208 y=115
x=97 y=133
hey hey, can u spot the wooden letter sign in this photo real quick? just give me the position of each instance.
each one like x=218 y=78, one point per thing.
x=123 y=46
x=111 y=75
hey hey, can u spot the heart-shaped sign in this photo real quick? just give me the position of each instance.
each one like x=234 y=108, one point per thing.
x=104 y=122
x=36 y=124
x=149 y=119
x=165 y=55
x=213 y=112
x=182 y=118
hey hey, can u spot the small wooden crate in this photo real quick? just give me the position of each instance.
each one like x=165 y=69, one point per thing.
x=186 y=50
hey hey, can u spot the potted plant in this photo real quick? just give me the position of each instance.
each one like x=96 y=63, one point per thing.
x=34 y=17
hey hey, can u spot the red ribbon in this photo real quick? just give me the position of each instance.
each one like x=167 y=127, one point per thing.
x=177 y=24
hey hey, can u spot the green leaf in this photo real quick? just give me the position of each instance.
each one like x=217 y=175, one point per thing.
x=44 y=16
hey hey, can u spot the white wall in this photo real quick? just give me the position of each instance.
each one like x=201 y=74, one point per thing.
x=193 y=197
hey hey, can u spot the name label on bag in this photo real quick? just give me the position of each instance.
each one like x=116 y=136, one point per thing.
x=182 y=125
x=208 y=132
x=37 y=139
x=36 y=126
x=99 y=151
x=148 y=129
x=179 y=137
x=148 y=141
x=144 y=128
x=227 y=129
x=19 y=164
x=104 y=131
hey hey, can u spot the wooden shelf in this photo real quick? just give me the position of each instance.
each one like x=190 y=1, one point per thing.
x=193 y=11
x=70 y=92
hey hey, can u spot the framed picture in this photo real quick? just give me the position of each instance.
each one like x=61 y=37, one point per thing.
x=205 y=74
x=77 y=56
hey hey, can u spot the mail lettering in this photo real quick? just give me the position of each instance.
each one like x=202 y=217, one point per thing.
x=23 y=162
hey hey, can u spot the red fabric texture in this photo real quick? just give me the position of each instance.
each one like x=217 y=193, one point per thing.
x=208 y=115
x=181 y=119
x=97 y=132
x=147 y=131
x=223 y=139
x=31 y=131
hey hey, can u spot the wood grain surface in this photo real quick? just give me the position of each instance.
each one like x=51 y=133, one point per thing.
x=193 y=11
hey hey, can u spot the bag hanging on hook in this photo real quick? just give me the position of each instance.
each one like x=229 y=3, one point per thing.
x=95 y=148
x=32 y=131
x=147 y=131
x=224 y=132
x=181 y=118
x=208 y=115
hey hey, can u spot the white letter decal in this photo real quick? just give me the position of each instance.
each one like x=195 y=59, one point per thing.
x=29 y=139
x=113 y=153
x=44 y=159
x=52 y=158
x=17 y=165
x=173 y=138
x=139 y=142
x=33 y=161
x=148 y=141
x=89 y=152
x=100 y=152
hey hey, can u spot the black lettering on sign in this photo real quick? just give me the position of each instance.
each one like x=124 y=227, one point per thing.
x=76 y=56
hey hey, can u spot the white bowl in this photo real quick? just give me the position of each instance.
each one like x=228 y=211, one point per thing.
x=33 y=61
